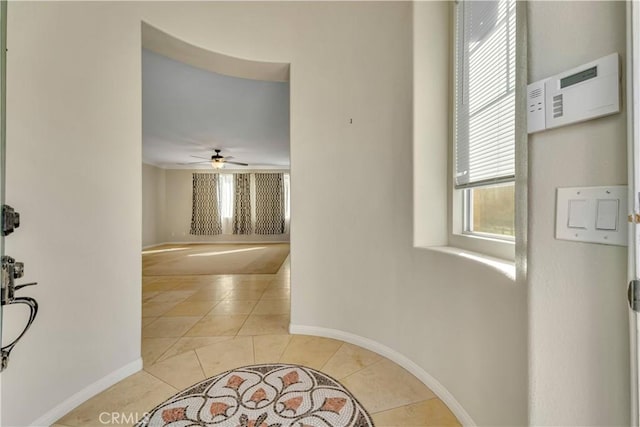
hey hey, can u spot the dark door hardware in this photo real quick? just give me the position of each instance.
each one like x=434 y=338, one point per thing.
x=10 y=220
x=11 y=271
x=633 y=294
x=5 y=352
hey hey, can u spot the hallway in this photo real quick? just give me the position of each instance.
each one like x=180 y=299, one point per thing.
x=194 y=327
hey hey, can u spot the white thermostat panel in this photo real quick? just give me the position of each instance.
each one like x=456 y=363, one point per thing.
x=582 y=93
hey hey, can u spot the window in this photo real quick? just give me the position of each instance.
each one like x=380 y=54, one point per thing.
x=225 y=195
x=287 y=197
x=485 y=116
x=489 y=210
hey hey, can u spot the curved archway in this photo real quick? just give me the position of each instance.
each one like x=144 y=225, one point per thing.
x=165 y=44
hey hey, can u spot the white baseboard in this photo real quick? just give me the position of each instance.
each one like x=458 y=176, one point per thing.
x=433 y=384
x=87 y=393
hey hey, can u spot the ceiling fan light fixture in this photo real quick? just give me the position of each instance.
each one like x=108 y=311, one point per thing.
x=217 y=164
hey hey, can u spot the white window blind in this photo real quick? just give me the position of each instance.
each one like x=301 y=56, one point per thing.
x=485 y=83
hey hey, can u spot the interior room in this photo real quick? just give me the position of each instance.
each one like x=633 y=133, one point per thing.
x=416 y=282
x=232 y=128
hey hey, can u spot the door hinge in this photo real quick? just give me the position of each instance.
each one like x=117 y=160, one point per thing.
x=10 y=220
x=633 y=295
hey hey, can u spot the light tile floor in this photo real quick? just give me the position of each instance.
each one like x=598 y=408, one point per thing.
x=194 y=327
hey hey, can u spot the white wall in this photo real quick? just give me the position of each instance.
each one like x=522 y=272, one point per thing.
x=154 y=191
x=75 y=100
x=73 y=140
x=431 y=65
x=177 y=223
x=577 y=301
x=475 y=316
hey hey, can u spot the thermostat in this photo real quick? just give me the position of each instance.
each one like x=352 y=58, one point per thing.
x=582 y=93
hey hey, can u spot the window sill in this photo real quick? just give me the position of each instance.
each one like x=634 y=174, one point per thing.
x=495 y=248
x=507 y=268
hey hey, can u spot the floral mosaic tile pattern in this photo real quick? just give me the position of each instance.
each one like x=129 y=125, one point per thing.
x=269 y=395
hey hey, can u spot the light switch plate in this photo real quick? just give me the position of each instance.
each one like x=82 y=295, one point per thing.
x=578 y=213
x=592 y=214
x=607 y=213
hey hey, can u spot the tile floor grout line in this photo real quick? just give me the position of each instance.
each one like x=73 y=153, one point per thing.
x=146 y=326
x=282 y=353
x=256 y=304
x=212 y=308
x=162 y=354
x=253 y=349
x=334 y=353
x=204 y=374
x=243 y=323
x=192 y=326
x=161 y=380
x=253 y=345
x=402 y=406
x=382 y=358
x=331 y=357
x=286 y=347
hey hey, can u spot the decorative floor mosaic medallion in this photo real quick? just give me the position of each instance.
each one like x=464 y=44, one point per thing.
x=272 y=395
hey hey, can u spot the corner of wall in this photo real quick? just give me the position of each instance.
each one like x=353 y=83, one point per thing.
x=154 y=206
x=430 y=122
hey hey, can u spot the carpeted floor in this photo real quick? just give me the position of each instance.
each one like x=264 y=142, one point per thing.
x=273 y=395
x=201 y=259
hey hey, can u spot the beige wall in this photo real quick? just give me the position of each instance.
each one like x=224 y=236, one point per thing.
x=74 y=98
x=76 y=67
x=154 y=205
x=461 y=303
x=73 y=137
x=579 y=354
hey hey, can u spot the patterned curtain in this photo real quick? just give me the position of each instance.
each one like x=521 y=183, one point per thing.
x=270 y=203
x=242 y=204
x=205 y=214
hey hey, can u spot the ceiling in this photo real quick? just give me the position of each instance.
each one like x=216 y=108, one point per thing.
x=188 y=111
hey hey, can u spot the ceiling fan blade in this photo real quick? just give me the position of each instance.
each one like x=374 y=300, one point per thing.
x=198 y=157
x=195 y=163
x=237 y=163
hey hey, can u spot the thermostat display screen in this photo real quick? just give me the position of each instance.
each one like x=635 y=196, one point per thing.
x=579 y=77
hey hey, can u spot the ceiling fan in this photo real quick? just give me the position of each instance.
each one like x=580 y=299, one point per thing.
x=217 y=160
